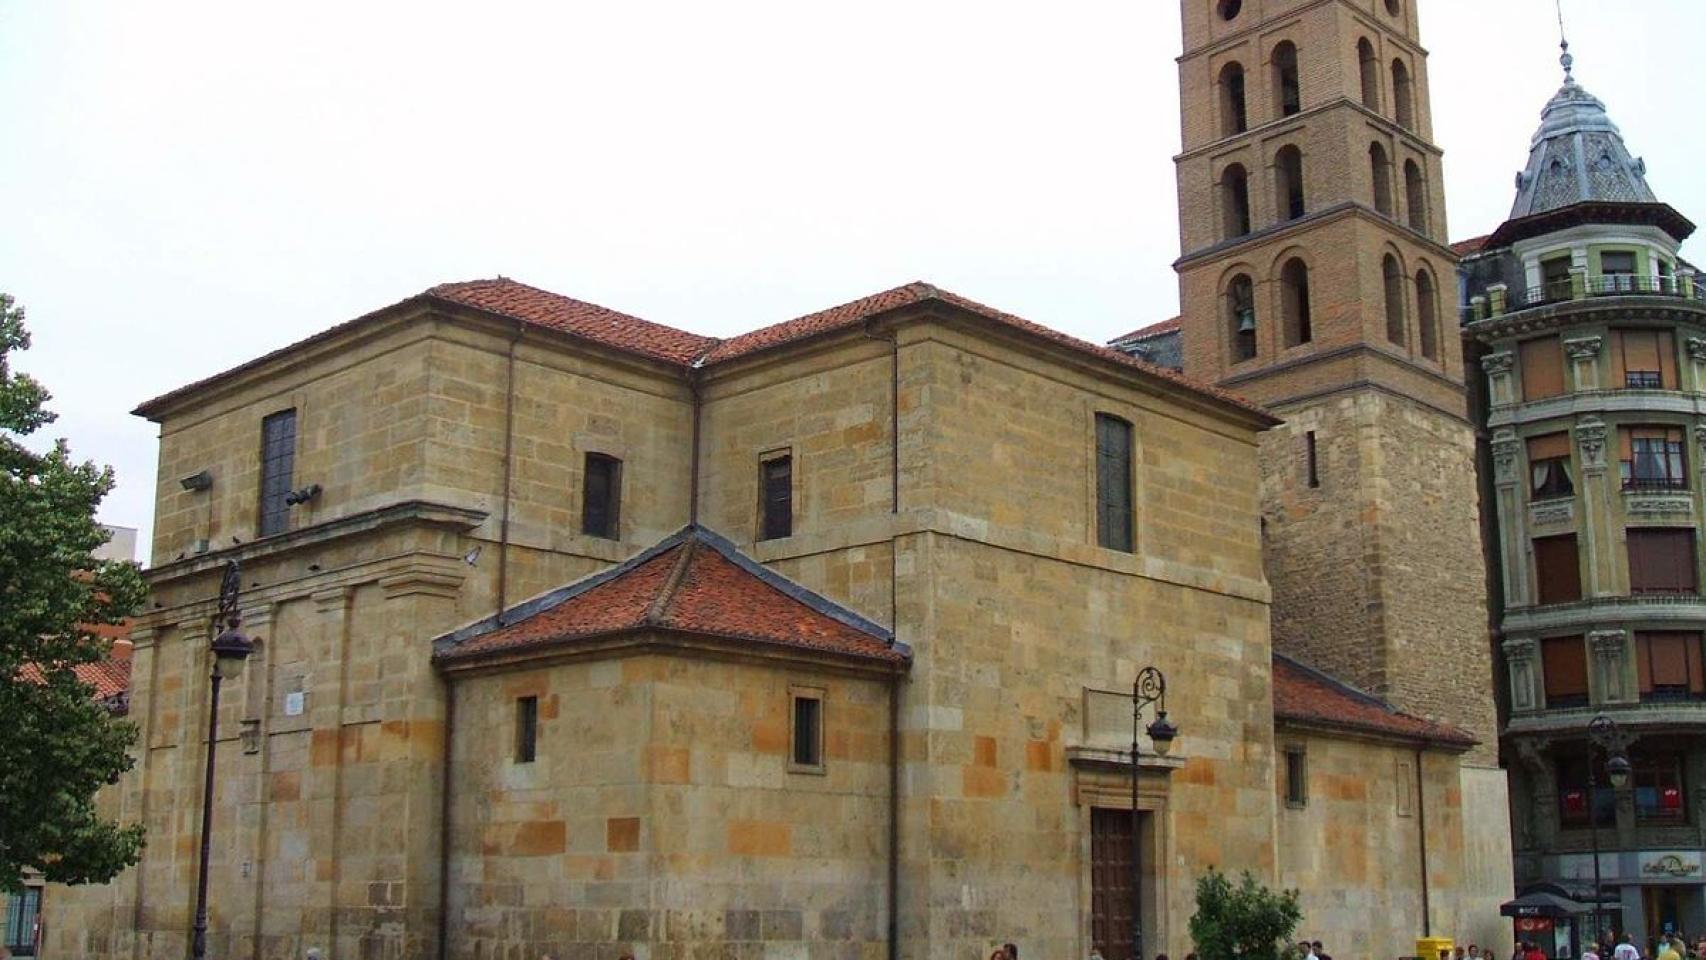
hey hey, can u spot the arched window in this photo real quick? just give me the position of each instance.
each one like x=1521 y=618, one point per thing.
x=1393 y=276
x=1288 y=182
x=1233 y=117
x=1403 y=102
x=1427 y=314
x=1234 y=202
x=1241 y=317
x=1294 y=302
x=1381 y=168
x=1416 y=196
x=1370 y=69
x=1288 y=96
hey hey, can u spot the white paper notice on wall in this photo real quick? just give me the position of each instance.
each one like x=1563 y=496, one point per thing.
x=293 y=703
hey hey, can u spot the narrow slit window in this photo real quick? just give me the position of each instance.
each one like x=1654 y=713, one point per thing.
x=278 y=463
x=808 y=730
x=1296 y=778
x=1311 y=461
x=526 y=729
x=601 y=504
x=776 y=497
x=1113 y=483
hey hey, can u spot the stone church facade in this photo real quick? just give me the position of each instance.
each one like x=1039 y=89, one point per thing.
x=581 y=634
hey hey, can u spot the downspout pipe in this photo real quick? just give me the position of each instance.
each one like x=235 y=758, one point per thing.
x=894 y=819
x=1422 y=833
x=509 y=449
x=444 y=832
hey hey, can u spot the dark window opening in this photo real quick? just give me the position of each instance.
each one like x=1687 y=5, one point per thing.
x=601 y=504
x=1370 y=74
x=278 y=462
x=526 y=729
x=1296 y=778
x=1661 y=561
x=776 y=497
x=1403 y=102
x=808 y=731
x=1288 y=182
x=1657 y=780
x=1549 y=469
x=1617 y=270
x=1288 y=94
x=1113 y=483
x=1294 y=302
x=1381 y=170
x=1393 y=279
x=1234 y=117
x=1230 y=8
x=1577 y=802
x=1427 y=314
x=1653 y=458
x=1311 y=460
x=1241 y=317
x=1234 y=202
x=1416 y=196
x=1555 y=278
x=23 y=913
x=1557 y=569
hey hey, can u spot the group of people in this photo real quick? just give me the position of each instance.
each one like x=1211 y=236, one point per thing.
x=1666 y=947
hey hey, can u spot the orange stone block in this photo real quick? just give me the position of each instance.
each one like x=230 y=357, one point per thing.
x=760 y=838
x=982 y=782
x=622 y=834
x=540 y=838
x=983 y=751
x=770 y=736
x=323 y=748
x=285 y=786
x=668 y=764
x=1038 y=757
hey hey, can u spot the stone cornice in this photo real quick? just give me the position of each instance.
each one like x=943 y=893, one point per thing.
x=1599 y=401
x=1589 y=311
x=1607 y=613
x=652 y=640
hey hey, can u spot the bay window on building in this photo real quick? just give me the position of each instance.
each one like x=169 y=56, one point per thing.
x=1643 y=359
x=1564 y=664
x=1557 y=569
x=1542 y=368
x=1653 y=458
x=1668 y=664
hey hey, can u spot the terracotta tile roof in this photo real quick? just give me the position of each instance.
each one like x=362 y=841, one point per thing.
x=602 y=325
x=516 y=300
x=110 y=679
x=1153 y=330
x=1305 y=695
x=694 y=582
x=1464 y=248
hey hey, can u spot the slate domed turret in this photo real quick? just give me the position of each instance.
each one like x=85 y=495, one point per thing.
x=1578 y=156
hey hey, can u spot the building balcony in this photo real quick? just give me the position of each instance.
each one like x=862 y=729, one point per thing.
x=1502 y=304
x=1687 y=610
x=1681 y=712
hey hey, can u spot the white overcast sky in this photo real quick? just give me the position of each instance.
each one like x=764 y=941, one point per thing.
x=184 y=186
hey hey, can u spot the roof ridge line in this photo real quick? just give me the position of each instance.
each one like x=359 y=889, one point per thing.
x=666 y=594
x=1325 y=677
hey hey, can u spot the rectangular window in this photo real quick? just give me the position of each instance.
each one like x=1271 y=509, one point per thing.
x=1296 y=777
x=1653 y=458
x=1311 y=459
x=1575 y=797
x=1406 y=788
x=1555 y=278
x=1661 y=561
x=776 y=497
x=1564 y=663
x=1113 y=483
x=1643 y=360
x=601 y=504
x=807 y=752
x=1617 y=270
x=1669 y=666
x=1658 y=786
x=278 y=462
x=1542 y=368
x=1557 y=569
x=22 y=910
x=526 y=729
x=1549 y=467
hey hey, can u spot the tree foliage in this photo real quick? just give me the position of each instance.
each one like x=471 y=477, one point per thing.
x=1243 y=922
x=57 y=745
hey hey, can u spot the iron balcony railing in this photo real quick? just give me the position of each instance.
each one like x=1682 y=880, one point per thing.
x=1612 y=285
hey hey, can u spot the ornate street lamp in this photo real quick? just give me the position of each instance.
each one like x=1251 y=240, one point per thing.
x=1603 y=733
x=1150 y=687
x=230 y=649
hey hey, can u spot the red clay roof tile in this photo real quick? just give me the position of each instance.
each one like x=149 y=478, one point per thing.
x=588 y=320
x=695 y=583
x=1308 y=696
x=1153 y=330
x=108 y=678
x=1464 y=248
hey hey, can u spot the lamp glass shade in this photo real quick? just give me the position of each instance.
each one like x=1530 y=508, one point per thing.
x=1617 y=771
x=230 y=649
x=1162 y=732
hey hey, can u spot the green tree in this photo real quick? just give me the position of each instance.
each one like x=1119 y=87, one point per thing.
x=1243 y=922
x=59 y=746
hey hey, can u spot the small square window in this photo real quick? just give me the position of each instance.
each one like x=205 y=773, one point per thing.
x=526 y=729
x=1296 y=777
x=806 y=741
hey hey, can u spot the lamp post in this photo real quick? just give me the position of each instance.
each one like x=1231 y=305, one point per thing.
x=230 y=649
x=1603 y=733
x=1150 y=687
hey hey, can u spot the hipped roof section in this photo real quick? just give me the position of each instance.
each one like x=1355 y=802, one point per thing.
x=694 y=583
x=1308 y=697
x=513 y=300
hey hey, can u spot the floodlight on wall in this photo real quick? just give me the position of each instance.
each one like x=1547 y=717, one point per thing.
x=303 y=495
x=197 y=482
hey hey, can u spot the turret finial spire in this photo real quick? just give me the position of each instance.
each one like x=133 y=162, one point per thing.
x=1568 y=61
